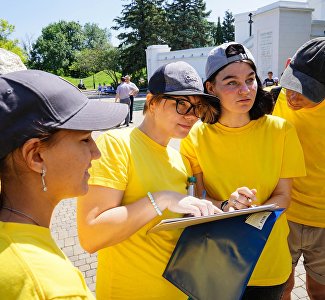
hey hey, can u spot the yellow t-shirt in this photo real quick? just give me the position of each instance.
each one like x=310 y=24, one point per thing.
x=257 y=156
x=132 y=162
x=33 y=267
x=308 y=193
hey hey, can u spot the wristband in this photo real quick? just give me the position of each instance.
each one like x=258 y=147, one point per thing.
x=223 y=205
x=154 y=204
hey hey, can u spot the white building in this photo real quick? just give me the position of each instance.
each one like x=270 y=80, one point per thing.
x=278 y=30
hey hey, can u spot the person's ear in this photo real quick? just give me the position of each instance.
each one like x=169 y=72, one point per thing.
x=31 y=152
x=210 y=88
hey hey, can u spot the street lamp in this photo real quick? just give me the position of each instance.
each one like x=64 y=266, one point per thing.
x=250 y=22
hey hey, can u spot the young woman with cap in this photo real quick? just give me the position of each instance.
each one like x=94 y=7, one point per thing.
x=139 y=181
x=251 y=149
x=46 y=150
x=301 y=102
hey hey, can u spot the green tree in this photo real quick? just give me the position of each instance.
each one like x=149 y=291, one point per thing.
x=95 y=37
x=228 y=27
x=189 y=25
x=55 y=50
x=143 y=23
x=6 y=30
x=218 y=34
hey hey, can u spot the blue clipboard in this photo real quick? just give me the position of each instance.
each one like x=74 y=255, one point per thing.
x=215 y=260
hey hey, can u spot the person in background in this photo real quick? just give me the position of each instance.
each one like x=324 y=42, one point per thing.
x=46 y=150
x=139 y=181
x=251 y=149
x=269 y=81
x=123 y=93
x=133 y=93
x=301 y=102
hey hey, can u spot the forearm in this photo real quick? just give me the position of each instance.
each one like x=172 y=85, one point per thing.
x=116 y=224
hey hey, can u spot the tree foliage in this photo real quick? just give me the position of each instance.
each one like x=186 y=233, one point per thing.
x=228 y=27
x=61 y=44
x=188 y=24
x=95 y=37
x=218 y=34
x=143 y=23
x=55 y=50
x=6 y=30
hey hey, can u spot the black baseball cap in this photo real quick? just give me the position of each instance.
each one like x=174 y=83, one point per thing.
x=31 y=98
x=177 y=78
x=306 y=72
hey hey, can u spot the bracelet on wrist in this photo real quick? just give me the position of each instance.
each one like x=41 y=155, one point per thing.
x=154 y=204
x=223 y=205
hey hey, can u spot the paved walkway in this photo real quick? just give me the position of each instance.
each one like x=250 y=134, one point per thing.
x=63 y=228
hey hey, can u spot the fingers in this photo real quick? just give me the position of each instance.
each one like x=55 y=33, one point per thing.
x=242 y=198
x=198 y=207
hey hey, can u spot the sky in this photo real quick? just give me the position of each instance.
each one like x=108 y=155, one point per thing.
x=30 y=16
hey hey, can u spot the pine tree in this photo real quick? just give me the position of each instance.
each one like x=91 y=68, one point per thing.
x=218 y=34
x=144 y=24
x=228 y=27
x=189 y=25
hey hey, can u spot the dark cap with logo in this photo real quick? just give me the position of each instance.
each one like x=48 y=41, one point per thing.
x=177 y=78
x=306 y=72
x=32 y=98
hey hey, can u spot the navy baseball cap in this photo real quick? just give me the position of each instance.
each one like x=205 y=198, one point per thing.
x=32 y=98
x=225 y=54
x=306 y=72
x=177 y=78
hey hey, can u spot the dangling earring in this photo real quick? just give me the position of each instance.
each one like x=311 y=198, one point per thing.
x=43 y=180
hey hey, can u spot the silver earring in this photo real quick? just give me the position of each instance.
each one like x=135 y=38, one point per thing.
x=43 y=180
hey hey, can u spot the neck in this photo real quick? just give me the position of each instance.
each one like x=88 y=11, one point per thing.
x=150 y=129
x=26 y=206
x=234 y=121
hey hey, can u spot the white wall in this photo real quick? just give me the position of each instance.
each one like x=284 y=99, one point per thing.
x=279 y=29
x=196 y=57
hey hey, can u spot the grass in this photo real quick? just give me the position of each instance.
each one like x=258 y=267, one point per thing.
x=100 y=77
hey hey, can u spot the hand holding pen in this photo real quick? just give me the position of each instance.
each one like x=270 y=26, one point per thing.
x=242 y=198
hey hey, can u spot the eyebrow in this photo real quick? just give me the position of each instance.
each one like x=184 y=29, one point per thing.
x=235 y=76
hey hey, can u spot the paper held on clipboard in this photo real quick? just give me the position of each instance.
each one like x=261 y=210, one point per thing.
x=169 y=224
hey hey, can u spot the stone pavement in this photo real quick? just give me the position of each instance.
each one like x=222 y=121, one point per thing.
x=64 y=231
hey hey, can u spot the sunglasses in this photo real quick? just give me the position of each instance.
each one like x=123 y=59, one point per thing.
x=183 y=107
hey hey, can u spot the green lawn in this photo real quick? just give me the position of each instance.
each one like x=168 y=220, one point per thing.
x=100 y=77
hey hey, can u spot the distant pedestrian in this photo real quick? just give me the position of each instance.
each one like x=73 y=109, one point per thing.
x=132 y=95
x=46 y=150
x=123 y=93
x=269 y=81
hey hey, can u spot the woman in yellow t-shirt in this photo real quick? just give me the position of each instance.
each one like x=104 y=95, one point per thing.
x=45 y=151
x=114 y=217
x=247 y=148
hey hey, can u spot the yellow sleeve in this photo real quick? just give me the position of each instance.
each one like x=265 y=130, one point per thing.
x=111 y=169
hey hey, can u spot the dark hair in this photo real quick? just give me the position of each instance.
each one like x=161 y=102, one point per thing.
x=263 y=103
x=211 y=113
x=46 y=135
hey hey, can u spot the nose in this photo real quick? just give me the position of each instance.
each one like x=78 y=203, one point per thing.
x=95 y=153
x=244 y=89
x=191 y=114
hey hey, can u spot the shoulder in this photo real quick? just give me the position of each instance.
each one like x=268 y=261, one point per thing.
x=277 y=123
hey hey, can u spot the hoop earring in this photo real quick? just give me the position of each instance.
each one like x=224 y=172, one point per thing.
x=44 y=187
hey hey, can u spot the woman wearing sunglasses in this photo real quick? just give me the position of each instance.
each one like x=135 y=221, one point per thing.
x=139 y=181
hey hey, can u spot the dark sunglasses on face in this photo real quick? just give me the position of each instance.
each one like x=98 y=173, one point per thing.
x=183 y=106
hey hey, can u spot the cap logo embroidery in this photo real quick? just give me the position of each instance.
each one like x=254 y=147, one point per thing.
x=190 y=77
